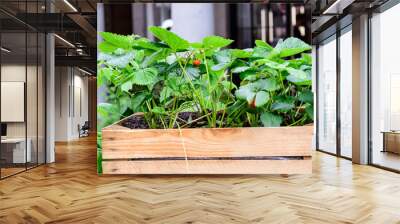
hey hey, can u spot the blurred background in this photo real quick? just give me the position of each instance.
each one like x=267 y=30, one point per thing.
x=242 y=22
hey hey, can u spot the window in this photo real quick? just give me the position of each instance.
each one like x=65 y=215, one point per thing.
x=385 y=89
x=346 y=93
x=327 y=96
x=22 y=77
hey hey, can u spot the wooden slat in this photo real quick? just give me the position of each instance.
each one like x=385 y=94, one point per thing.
x=209 y=167
x=124 y=143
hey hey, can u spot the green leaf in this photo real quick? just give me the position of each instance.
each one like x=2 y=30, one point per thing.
x=144 y=43
x=261 y=52
x=127 y=86
x=165 y=93
x=139 y=56
x=145 y=76
x=223 y=56
x=171 y=39
x=254 y=93
x=262 y=98
x=221 y=66
x=188 y=106
x=306 y=96
x=120 y=61
x=228 y=85
x=213 y=42
x=119 y=41
x=123 y=103
x=192 y=72
x=268 y=84
x=104 y=109
x=261 y=43
x=103 y=76
x=158 y=110
x=224 y=60
x=106 y=47
x=307 y=59
x=310 y=111
x=244 y=93
x=283 y=104
x=270 y=120
x=291 y=46
x=299 y=77
x=154 y=57
x=247 y=73
x=269 y=63
x=107 y=114
x=196 y=45
x=240 y=69
x=137 y=101
x=238 y=53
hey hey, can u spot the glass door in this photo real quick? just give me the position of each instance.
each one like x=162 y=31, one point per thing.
x=345 y=42
x=22 y=77
x=385 y=89
x=327 y=95
x=14 y=153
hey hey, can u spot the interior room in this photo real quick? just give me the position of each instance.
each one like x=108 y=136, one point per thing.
x=385 y=89
x=22 y=99
x=61 y=79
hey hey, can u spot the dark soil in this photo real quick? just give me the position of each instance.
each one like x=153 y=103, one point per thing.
x=135 y=122
x=185 y=119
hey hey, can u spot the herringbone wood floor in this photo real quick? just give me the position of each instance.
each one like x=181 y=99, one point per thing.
x=70 y=191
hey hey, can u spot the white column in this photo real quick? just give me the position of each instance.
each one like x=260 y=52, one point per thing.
x=50 y=100
x=101 y=91
x=193 y=21
x=360 y=90
x=100 y=20
x=315 y=91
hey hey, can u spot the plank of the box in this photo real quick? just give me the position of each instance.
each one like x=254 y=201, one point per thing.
x=123 y=143
x=209 y=167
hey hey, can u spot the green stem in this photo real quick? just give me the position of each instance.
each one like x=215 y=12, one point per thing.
x=195 y=91
x=222 y=118
x=298 y=121
x=213 y=104
x=195 y=120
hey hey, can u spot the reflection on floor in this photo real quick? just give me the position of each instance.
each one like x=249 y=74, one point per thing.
x=11 y=169
x=387 y=159
x=70 y=191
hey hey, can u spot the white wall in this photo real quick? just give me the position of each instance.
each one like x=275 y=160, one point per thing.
x=12 y=73
x=193 y=21
x=71 y=94
x=80 y=100
x=33 y=126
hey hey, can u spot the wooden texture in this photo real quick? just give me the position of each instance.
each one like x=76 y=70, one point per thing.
x=229 y=146
x=70 y=191
x=120 y=142
x=208 y=167
x=392 y=142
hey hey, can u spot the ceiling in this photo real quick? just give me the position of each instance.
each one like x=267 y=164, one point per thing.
x=74 y=22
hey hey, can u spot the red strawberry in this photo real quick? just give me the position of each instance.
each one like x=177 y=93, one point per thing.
x=252 y=104
x=196 y=62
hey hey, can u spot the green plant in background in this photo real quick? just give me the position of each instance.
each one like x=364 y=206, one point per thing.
x=263 y=86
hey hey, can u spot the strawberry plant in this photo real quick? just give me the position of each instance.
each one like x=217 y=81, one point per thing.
x=179 y=84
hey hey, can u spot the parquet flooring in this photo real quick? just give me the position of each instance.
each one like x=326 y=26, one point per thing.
x=70 y=191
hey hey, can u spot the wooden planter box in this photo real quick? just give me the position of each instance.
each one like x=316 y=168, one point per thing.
x=281 y=150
